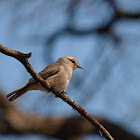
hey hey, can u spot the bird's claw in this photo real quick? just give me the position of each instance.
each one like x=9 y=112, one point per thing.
x=64 y=92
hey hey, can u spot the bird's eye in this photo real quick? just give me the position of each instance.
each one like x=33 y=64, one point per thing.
x=72 y=61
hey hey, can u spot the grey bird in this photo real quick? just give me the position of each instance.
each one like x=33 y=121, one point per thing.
x=57 y=74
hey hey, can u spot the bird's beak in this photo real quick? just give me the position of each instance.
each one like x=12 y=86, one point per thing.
x=78 y=66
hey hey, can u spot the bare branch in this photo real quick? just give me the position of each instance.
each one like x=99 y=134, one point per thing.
x=23 y=59
x=13 y=53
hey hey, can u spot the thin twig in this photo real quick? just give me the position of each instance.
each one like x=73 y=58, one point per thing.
x=23 y=59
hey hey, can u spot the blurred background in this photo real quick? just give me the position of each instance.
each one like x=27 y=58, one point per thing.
x=104 y=36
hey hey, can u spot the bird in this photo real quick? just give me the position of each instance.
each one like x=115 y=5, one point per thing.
x=57 y=75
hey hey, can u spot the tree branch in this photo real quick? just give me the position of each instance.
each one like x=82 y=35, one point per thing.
x=23 y=59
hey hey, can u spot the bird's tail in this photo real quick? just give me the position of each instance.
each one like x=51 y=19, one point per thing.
x=18 y=92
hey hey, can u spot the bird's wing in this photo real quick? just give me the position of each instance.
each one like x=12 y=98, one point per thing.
x=49 y=71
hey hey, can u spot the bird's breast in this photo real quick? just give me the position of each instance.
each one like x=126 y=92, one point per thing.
x=60 y=81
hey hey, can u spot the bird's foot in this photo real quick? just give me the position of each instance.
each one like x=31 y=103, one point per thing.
x=64 y=92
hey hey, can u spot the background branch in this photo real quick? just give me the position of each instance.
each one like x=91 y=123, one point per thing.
x=13 y=121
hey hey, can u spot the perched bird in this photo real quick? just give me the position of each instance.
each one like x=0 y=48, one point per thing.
x=57 y=74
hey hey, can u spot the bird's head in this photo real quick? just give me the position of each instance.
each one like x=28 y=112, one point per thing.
x=71 y=61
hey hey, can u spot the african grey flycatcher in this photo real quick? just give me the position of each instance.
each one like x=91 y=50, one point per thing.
x=57 y=74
